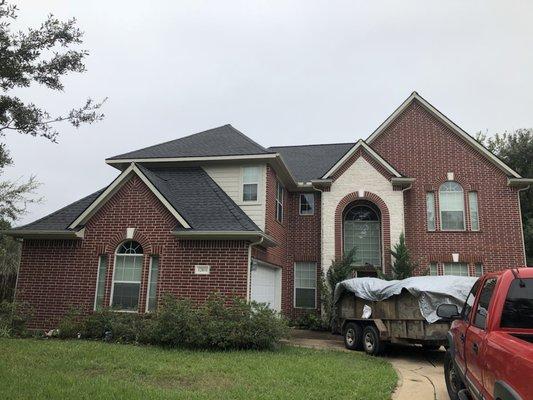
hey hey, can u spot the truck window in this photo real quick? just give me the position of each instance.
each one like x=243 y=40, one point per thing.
x=469 y=303
x=482 y=311
x=518 y=307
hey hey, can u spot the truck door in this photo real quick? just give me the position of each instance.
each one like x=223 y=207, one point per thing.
x=459 y=328
x=475 y=337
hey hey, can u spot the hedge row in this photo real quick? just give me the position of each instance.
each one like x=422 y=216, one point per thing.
x=220 y=323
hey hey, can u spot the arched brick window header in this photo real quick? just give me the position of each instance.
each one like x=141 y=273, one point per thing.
x=385 y=224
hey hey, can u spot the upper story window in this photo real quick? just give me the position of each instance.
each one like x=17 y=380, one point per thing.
x=452 y=207
x=251 y=177
x=362 y=231
x=280 y=190
x=126 y=286
x=307 y=203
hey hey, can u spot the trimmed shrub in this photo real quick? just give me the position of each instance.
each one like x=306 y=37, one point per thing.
x=71 y=325
x=310 y=321
x=13 y=318
x=221 y=323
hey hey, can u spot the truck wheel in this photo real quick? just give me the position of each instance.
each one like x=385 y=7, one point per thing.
x=454 y=383
x=353 y=336
x=371 y=342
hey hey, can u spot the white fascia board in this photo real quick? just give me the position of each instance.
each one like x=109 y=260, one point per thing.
x=370 y=151
x=450 y=124
x=191 y=159
x=235 y=235
x=113 y=188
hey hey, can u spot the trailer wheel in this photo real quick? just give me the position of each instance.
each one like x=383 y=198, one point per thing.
x=371 y=342
x=353 y=336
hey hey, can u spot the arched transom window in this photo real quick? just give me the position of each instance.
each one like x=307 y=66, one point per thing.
x=362 y=230
x=127 y=276
x=452 y=206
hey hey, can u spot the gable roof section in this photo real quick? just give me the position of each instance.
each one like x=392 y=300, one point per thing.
x=447 y=122
x=308 y=162
x=222 y=141
x=363 y=146
x=114 y=187
x=189 y=193
x=204 y=205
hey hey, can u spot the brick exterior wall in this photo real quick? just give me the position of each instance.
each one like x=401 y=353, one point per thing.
x=57 y=275
x=298 y=237
x=420 y=146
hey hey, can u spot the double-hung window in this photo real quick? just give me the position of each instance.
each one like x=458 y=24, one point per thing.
x=251 y=177
x=452 y=206
x=307 y=203
x=127 y=277
x=305 y=285
x=279 y=202
x=433 y=269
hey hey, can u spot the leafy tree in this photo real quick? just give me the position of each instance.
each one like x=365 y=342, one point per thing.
x=40 y=56
x=516 y=150
x=403 y=266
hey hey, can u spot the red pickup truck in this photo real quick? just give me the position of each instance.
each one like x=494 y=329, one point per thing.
x=490 y=353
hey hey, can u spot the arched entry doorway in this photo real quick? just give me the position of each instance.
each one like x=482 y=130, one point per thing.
x=362 y=231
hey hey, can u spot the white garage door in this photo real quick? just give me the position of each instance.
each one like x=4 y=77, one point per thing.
x=266 y=285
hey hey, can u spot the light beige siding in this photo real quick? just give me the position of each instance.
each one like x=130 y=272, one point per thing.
x=359 y=176
x=229 y=178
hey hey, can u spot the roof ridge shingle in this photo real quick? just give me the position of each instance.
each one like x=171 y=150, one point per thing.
x=313 y=144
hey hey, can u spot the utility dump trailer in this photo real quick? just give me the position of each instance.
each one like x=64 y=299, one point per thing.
x=370 y=313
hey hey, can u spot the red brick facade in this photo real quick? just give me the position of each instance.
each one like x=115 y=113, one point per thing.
x=57 y=275
x=418 y=145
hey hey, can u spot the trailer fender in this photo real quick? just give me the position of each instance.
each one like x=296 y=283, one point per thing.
x=383 y=332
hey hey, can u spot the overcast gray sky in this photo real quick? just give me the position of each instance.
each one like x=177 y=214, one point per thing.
x=282 y=72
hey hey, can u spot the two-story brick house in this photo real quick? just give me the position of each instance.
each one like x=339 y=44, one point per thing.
x=216 y=211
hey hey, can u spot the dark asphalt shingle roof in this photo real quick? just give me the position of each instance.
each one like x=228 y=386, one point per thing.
x=198 y=199
x=191 y=191
x=62 y=218
x=222 y=141
x=308 y=162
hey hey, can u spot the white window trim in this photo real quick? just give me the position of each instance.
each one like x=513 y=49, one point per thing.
x=150 y=280
x=294 y=286
x=300 y=204
x=100 y=256
x=113 y=281
x=258 y=183
x=464 y=211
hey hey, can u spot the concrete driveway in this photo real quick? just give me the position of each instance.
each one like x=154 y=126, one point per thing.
x=421 y=374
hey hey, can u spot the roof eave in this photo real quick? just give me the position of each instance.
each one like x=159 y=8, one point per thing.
x=268 y=241
x=44 y=234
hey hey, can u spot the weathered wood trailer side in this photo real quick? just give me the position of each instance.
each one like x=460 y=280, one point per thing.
x=394 y=320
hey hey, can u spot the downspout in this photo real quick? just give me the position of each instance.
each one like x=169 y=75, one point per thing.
x=249 y=273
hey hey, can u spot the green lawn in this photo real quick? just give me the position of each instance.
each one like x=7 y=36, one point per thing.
x=53 y=369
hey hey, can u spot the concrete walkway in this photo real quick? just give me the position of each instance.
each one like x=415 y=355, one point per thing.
x=421 y=373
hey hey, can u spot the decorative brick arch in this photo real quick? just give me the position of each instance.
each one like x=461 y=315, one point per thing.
x=385 y=224
x=121 y=237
